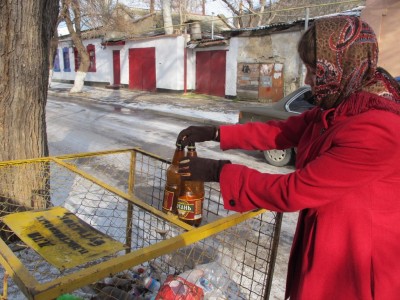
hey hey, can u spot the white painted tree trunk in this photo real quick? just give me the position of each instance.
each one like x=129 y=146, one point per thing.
x=166 y=7
x=50 y=77
x=79 y=82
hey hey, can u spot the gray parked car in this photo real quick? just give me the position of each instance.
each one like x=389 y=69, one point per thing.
x=290 y=105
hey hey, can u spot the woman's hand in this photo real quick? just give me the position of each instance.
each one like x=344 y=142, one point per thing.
x=201 y=169
x=196 y=134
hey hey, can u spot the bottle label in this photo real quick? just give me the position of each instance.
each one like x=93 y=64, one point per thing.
x=168 y=200
x=190 y=209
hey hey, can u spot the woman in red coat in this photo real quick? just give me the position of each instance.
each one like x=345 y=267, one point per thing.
x=347 y=179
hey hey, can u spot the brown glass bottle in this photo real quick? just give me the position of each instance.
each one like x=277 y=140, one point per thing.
x=173 y=183
x=190 y=200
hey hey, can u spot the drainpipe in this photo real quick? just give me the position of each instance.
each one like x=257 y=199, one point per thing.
x=212 y=26
x=185 y=62
x=185 y=69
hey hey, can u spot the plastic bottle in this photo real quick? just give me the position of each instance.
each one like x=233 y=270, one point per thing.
x=190 y=200
x=151 y=284
x=173 y=182
x=214 y=281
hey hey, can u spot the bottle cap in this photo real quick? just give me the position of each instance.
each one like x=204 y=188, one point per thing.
x=179 y=145
x=191 y=146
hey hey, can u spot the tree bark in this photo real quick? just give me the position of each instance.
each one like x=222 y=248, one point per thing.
x=166 y=8
x=26 y=27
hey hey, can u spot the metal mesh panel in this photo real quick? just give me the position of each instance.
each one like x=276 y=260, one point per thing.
x=119 y=193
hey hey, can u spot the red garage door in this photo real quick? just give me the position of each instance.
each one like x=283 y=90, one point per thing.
x=142 y=69
x=210 y=72
x=116 y=67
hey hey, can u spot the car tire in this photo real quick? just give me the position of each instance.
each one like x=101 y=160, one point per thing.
x=279 y=158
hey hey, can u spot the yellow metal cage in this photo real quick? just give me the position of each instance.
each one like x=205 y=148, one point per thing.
x=119 y=193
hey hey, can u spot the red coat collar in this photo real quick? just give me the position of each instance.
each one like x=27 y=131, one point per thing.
x=358 y=103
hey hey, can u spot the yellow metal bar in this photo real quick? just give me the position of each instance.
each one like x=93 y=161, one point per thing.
x=5 y=286
x=15 y=268
x=90 y=154
x=129 y=213
x=66 y=156
x=113 y=266
x=78 y=155
x=132 y=198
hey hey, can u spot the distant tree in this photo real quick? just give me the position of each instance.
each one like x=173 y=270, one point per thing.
x=81 y=18
x=168 y=28
x=53 y=52
x=26 y=28
x=252 y=13
x=71 y=14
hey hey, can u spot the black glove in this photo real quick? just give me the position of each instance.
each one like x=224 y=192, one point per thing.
x=195 y=134
x=201 y=169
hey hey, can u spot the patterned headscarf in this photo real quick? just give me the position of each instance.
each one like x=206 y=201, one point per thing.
x=346 y=57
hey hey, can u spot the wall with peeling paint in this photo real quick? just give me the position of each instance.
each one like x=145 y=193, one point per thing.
x=267 y=67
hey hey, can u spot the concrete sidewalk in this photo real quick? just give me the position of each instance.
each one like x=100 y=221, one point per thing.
x=198 y=108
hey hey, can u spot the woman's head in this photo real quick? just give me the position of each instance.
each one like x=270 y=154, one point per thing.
x=340 y=54
x=306 y=47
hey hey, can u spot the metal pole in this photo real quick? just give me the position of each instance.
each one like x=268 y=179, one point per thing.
x=129 y=212
x=212 y=26
x=274 y=253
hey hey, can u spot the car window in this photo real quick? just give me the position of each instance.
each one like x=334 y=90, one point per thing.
x=301 y=103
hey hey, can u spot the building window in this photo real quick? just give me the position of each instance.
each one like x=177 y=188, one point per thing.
x=56 y=67
x=77 y=59
x=92 y=57
x=67 y=66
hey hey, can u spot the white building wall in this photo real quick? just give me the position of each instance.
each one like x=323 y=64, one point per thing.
x=169 y=62
x=231 y=67
x=63 y=74
x=191 y=69
x=104 y=70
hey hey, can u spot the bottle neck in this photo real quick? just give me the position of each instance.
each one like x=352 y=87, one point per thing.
x=191 y=150
x=191 y=153
x=178 y=155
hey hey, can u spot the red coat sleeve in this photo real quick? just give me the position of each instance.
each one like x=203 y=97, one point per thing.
x=265 y=136
x=349 y=160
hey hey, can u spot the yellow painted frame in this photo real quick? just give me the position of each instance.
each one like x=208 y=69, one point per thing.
x=50 y=290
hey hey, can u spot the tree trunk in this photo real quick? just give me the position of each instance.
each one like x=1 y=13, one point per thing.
x=26 y=28
x=74 y=28
x=166 y=8
x=84 y=63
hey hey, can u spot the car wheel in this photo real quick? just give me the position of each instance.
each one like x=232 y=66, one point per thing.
x=278 y=158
